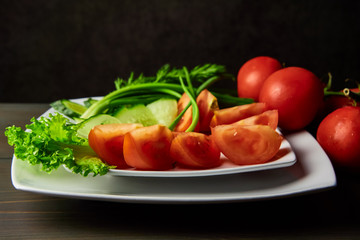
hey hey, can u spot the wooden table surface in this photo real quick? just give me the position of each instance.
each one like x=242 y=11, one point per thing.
x=330 y=214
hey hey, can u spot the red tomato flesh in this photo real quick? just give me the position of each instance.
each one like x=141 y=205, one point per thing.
x=207 y=104
x=247 y=144
x=186 y=119
x=148 y=148
x=237 y=113
x=195 y=150
x=107 y=141
x=269 y=118
x=252 y=75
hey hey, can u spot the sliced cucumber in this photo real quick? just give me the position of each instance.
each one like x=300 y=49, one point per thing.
x=78 y=120
x=86 y=125
x=136 y=114
x=68 y=108
x=164 y=110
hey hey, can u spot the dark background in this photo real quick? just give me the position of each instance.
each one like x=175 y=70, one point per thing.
x=55 y=49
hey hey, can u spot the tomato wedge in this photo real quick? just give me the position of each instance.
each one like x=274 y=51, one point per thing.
x=195 y=150
x=237 y=113
x=107 y=141
x=247 y=144
x=186 y=119
x=207 y=104
x=270 y=118
x=148 y=148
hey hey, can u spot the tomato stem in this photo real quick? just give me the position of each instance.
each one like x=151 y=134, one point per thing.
x=328 y=92
x=350 y=94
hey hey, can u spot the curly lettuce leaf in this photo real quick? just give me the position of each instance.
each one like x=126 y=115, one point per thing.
x=53 y=142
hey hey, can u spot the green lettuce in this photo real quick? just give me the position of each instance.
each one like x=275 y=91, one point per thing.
x=53 y=142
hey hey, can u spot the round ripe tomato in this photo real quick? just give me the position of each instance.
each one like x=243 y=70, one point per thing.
x=107 y=141
x=252 y=75
x=148 y=148
x=296 y=93
x=269 y=118
x=339 y=135
x=195 y=150
x=334 y=102
x=247 y=144
x=237 y=113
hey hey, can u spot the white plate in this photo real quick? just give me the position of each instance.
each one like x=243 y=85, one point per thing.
x=312 y=171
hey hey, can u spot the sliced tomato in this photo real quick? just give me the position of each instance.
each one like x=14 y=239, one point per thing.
x=237 y=113
x=195 y=150
x=186 y=119
x=148 y=148
x=207 y=104
x=247 y=144
x=270 y=118
x=107 y=141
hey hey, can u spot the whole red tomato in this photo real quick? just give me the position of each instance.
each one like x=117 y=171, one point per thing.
x=339 y=135
x=296 y=93
x=334 y=102
x=252 y=75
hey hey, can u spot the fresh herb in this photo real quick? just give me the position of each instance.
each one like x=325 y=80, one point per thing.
x=53 y=142
x=165 y=83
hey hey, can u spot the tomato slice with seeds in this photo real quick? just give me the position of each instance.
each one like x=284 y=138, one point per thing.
x=237 y=113
x=247 y=144
x=195 y=150
x=148 y=148
x=270 y=118
x=107 y=141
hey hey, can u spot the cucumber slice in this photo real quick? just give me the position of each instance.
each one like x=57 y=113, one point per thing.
x=68 y=108
x=164 y=110
x=136 y=114
x=86 y=125
x=78 y=120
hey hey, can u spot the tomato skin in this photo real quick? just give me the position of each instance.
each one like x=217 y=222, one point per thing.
x=107 y=141
x=148 y=148
x=237 y=113
x=296 y=93
x=195 y=150
x=253 y=74
x=247 y=144
x=270 y=118
x=339 y=135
